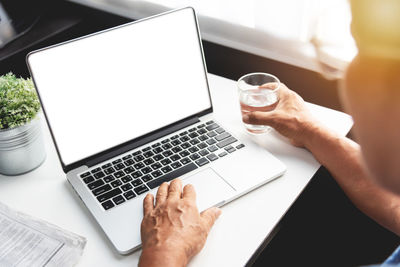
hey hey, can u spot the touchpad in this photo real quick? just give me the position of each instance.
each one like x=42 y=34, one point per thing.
x=210 y=188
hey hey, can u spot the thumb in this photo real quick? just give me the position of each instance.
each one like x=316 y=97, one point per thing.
x=259 y=118
x=209 y=216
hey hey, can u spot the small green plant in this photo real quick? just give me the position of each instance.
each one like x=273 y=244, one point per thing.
x=18 y=101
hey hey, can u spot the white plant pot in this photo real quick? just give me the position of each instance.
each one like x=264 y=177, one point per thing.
x=21 y=148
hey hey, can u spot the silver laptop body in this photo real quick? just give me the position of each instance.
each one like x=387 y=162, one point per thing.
x=129 y=108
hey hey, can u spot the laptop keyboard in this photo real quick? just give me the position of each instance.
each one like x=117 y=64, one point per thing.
x=135 y=173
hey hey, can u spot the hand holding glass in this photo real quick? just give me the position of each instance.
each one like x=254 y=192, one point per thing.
x=258 y=92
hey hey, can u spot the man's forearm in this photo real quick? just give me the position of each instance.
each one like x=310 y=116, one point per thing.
x=342 y=157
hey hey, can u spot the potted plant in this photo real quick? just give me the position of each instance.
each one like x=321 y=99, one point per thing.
x=21 y=141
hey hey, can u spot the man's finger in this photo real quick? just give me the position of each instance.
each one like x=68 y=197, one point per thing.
x=260 y=118
x=209 y=216
x=162 y=193
x=148 y=204
x=189 y=192
x=175 y=189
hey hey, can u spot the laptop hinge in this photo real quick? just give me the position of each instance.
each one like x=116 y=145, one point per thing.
x=141 y=141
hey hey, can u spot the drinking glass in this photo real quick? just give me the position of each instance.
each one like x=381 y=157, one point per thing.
x=258 y=92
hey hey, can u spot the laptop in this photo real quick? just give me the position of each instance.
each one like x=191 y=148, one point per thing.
x=129 y=108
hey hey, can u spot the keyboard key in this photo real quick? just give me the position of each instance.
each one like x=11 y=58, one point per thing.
x=126 y=187
x=136 y=153
x=119 y=174
x=175 y=142
x=185 y=145
x=129 y=169
x=156 y=166
x=220 y=130
x=105 y=166
x=223 y=154
x=141 y=189
x=95 y=184
x=222 y=136
x=212 y=157
x=139 y=158
x=193 y=134
x=146 y=170
x=200 y=126
x=166 y=146
x=136 y=174
x=110 y=194
x=116 y=183
x=212 y=148
x=109 y=170
x=148 y=161
x=194 y=141
x=226 y=142
x=101 y=190
x=137 y=182
x=202 y=145
x=165 y=141
x=99 y=175
x=166 y=169
x=156 y=174
x=117 y=161
x=212 y=134
x=167 y=153
x=184 y=153
x=211 y=141
x=146 y=149
x=185 y=161
x=139 y=165
x=193 y=149
x=174 y=137
x=183 y=133
x=129 y=194
x=148 y=154
x=194 y=156
x=147 y=178
x=176 y=165
x=126 y=179
x=166 y=162
x=184 y=138
x=240 y=146
x=209 y=122
x=108 y=178
x=230 y=149
x=203 y=137
x=88 y=179
x=202 y=131
x=172 y=175
x=129 y=162
x=202 y=162
x=175 y=157
x=86 y=174
x=119 y=166
x=127 y=157
x=192 y=129
x=118 y=200
x=176 y=149
x=108 y=205
x=212 y=126
x=96 y=170
x=203 y=152
x=158 y=157
x=155 y=145
x=158 y=150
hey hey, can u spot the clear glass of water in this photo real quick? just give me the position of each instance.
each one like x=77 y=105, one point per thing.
x=258 y=92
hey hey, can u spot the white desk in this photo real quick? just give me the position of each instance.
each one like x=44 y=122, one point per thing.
x=243 y=225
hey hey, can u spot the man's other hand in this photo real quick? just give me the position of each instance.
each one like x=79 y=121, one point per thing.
x=291 y=118
x=173 y=230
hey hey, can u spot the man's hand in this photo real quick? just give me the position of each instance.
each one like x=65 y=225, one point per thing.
x=173 y=230
x=290 y=118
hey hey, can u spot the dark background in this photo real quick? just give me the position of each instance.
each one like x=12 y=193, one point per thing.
x=322 y=228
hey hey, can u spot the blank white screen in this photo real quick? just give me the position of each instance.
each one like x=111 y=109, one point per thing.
x=109 y=88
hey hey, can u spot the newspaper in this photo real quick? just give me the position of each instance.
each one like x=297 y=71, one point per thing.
x=27 y=241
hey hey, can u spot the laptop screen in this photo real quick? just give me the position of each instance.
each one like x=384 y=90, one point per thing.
x=109 y=88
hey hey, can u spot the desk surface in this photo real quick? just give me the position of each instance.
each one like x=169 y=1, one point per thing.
x=243 y=225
